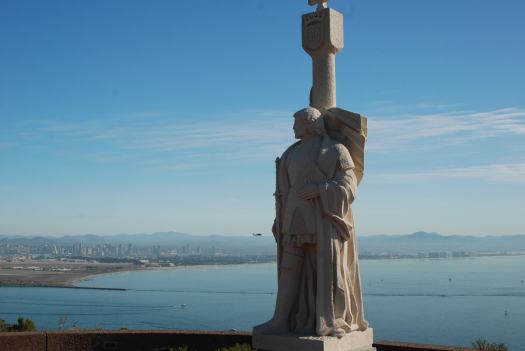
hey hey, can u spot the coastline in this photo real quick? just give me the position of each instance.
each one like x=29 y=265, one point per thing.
x=66 y=274
x=144 y=269
x=56 y=274
x=28 y=277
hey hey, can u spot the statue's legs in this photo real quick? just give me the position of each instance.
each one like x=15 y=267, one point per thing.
x=288 y=285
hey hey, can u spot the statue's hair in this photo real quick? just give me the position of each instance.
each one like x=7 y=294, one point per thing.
x=311 y=117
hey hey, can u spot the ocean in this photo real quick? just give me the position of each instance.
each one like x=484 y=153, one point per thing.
x=442 y=301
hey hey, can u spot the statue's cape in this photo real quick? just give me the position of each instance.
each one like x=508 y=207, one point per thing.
x=350 y=129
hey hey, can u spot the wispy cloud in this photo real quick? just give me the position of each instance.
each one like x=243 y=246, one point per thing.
x=183 y=143
x=503 y=172
x=5 y=146
x=387 y=134
x=391 y=107
x=252 y=135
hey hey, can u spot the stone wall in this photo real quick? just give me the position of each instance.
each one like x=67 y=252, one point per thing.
x=402 y=346
x=151 y=340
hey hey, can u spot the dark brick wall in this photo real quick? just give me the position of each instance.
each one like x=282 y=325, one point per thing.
x=402 y=346
x=151 y=340
x=23 y=341
x=142 y=340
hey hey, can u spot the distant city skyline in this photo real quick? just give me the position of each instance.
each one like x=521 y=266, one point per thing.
x=119 y=117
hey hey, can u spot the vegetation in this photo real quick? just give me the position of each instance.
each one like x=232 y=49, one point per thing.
x=22 y=325
x=180 y=348
x=236 y=347
x=484 y=345
x=61 y=324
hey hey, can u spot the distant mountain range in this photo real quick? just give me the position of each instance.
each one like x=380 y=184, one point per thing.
x=432 y=242
x=249 y=244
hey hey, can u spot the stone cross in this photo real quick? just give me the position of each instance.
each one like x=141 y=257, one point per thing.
x=322 y=33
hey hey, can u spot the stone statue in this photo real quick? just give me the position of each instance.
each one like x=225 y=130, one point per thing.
x=319 y=290
x=319 y=304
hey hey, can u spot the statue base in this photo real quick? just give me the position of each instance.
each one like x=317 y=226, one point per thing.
x=354 y=341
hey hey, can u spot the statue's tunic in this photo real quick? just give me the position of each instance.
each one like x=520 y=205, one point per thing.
x=299 y=225
x=320 y=233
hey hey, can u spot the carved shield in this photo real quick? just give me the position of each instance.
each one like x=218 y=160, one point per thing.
x=313 y=30
x=314 y=35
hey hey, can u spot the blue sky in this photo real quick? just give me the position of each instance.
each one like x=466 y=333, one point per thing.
x=144 y=116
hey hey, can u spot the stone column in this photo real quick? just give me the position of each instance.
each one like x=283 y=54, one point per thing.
x=322 y=37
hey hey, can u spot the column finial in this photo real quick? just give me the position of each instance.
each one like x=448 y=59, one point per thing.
x=321 y=4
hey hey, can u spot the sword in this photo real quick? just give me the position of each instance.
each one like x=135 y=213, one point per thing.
x=277 y=224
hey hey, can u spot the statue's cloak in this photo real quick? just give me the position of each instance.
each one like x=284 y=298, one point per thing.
x=330 y=289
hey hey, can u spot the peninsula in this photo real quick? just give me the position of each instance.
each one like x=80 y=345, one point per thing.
x=55 y=273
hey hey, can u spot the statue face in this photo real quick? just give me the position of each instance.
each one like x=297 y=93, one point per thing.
x=299 y=128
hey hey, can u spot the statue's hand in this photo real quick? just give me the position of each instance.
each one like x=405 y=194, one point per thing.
x=310 y=191
x=274 y=230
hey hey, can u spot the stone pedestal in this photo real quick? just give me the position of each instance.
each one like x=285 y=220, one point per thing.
x=354 y=341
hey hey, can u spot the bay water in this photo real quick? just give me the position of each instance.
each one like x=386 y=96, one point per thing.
x=442 y=301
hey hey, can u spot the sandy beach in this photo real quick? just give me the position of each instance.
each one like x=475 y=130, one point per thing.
x=55 y=273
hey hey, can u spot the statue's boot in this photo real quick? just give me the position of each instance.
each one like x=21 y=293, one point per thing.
x=288 y=287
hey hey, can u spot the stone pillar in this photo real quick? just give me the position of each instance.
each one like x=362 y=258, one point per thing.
x=322 y=37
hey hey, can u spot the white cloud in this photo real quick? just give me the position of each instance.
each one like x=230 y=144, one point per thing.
x=254 y=135
x=262 y=135
x=387 y=134
x=5 y=146
x=503 y=172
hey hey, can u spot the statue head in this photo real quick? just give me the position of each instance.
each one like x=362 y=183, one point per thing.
x=308 y=122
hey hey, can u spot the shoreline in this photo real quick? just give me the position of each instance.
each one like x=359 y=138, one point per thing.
x=144 y=269
x=54 y=273
x=70 y=281
x=25 y=277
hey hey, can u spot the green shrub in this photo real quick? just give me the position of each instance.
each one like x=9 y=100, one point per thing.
x=484 y=345
x=25 y=324
x=236 y=347
x=61 y=324
x=22 y=325
x=180 y=348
